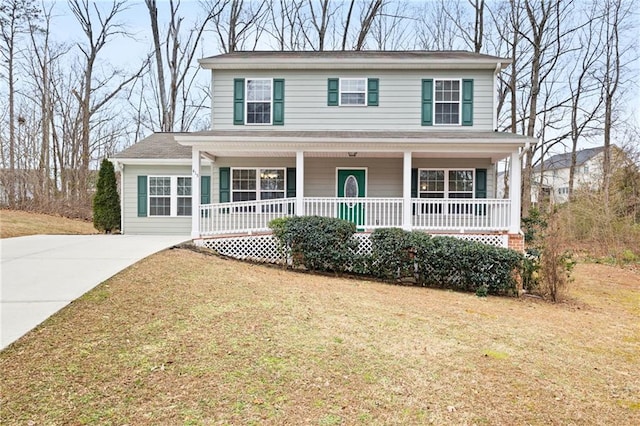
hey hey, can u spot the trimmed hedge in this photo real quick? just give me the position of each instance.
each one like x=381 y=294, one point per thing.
x=318 y=243
x=325 y=244
x=445 y=262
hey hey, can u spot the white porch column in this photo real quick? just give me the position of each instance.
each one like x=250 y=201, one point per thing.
x=300 y=183
x=515 y=194
x=406 y=192
x=195 y=193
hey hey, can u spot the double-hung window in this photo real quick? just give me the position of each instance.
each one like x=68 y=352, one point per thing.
x=184 y=196
x=446 y=184
x=258 y=184
x=159 y=196
x=169 y=196
x=353 y=91
x=447 y=102
x=259 y=96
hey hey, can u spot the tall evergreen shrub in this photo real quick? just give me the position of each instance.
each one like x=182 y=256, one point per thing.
x=106 y=202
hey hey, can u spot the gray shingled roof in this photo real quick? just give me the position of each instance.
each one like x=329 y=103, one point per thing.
x=563 y=161
x=164 y=146
x=158 y=145
x=350 y=54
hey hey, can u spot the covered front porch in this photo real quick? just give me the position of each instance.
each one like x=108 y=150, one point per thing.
x=315 y=185
x=430 y=215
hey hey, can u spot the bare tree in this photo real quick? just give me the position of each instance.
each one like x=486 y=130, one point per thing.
x=239 y=22
x=545 y=36
x=180 y=48
x=616 y=13
x=14 y=18
x=435 y=30
x=95 y=90
x=472 y=34
x=394 y=27
x=585 y=101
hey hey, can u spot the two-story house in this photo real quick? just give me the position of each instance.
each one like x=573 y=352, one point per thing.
x=551 y=180
x=384 y=139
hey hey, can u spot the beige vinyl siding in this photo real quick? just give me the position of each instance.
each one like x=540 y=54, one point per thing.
x=399 y=100
x=151 y=225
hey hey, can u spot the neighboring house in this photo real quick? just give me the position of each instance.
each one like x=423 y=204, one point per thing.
x=384 y=139
x=553 y=175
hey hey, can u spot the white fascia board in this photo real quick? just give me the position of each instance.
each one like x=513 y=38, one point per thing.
x=156 y=161
x=348 y=64
x=363 y=146
x=241 y=142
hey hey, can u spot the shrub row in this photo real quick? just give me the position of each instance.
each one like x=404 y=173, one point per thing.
x=324 y=244
x=445 y=262
x=317 y=243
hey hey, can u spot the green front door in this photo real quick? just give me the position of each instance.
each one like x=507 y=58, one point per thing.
x=351 y=184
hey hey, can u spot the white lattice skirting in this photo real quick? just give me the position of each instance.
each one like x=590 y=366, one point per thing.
x=265 y=248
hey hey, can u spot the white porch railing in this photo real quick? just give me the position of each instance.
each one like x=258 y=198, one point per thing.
x=461 y=215
x=454 y=215
x=367 y=213
x=243 y=217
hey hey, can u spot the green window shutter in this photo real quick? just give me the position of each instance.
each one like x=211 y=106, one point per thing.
x=467 y=102
x=333 y=91
x=291 y=182
x=278 y=101
x=372 y=92
x=414 y=183
x=205 y=189
x=225 y=184
x=481 y=183
x=238 y=101
x=142 y=196
x=427 y=102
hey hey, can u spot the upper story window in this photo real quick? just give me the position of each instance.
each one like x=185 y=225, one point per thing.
x=353 y=91
x=259 y=101
x=447 y=102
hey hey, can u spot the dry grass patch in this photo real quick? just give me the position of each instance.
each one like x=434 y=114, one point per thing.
x=182 y=338
x=15 y=223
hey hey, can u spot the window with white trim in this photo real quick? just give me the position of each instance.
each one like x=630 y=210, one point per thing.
x=184 y=196
x=159 y=196
x=258 y=100
x=169 y=196
x=447 y=102
x=353 y=91
x=446 y=183
x=258 y=184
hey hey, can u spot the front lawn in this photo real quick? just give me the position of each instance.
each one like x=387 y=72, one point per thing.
x=185 y=338
x=16 y=223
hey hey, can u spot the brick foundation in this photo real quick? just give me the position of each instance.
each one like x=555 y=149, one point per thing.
x=516 y=242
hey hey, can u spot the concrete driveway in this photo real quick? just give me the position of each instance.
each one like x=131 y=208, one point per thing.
x=43 y=273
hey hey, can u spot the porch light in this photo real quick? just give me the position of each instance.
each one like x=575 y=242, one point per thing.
x=352 y=154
